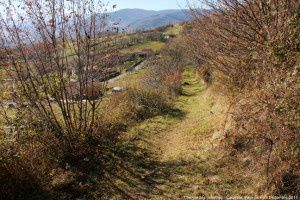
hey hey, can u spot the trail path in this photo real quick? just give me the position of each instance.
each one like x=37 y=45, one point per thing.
x=174 y=156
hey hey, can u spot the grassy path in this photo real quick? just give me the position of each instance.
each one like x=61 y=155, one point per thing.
x=174 y=156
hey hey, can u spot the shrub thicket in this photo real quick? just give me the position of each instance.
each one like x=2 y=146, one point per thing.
x=166 y=71
x=252 y=47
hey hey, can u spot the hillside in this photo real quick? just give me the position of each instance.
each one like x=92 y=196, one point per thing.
x=147 y=19
x=150 y=107
x=182 y=148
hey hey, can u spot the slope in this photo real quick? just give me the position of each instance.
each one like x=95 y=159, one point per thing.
x=177 y=155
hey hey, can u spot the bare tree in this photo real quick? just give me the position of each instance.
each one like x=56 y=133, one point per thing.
x=54 y=49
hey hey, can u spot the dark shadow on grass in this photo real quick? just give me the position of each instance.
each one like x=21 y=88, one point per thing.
x=132 y=172
x=124 y=169
x=129 y=170
x=22 y=185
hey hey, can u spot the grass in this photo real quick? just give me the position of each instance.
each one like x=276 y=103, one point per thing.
x=153 y=45
x=174 y=30
x=172 y=156
x=169 y=156
x=131 y=79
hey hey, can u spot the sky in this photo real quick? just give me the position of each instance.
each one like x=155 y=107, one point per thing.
x=143 y=4
x=149 y=4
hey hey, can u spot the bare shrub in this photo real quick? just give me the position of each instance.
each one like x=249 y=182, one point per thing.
x=166 y=72
x=252 y=48
x=237 y=37
x=54 y=55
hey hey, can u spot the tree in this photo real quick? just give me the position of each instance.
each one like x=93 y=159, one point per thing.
x=44 y=38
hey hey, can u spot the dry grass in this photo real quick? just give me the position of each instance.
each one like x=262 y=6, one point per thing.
x=181 y=154
x=253 y=54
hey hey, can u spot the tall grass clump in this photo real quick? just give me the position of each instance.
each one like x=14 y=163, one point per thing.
x=146 y=102
x=137 y=103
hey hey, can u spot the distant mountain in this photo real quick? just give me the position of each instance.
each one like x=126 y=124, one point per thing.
x=133 y=19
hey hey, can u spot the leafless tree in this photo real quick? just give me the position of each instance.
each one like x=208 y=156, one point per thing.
x=45 y=39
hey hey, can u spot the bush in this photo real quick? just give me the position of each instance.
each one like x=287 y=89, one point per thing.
x=131 y=106
x=166 y=72
x=252 y=48
x=147 y=102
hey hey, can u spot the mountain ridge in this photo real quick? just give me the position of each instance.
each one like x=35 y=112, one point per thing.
x=135 y=18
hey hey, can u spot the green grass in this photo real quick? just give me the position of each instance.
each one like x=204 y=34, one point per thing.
x=148 y=136
x=153 y=45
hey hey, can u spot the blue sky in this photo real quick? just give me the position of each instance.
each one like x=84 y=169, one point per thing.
x=144 y=4
x=149 y=4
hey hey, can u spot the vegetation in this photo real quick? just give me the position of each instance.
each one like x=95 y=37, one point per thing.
x=174 y=29
x=252 y=49
x=153 y=45
x=203 y=109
